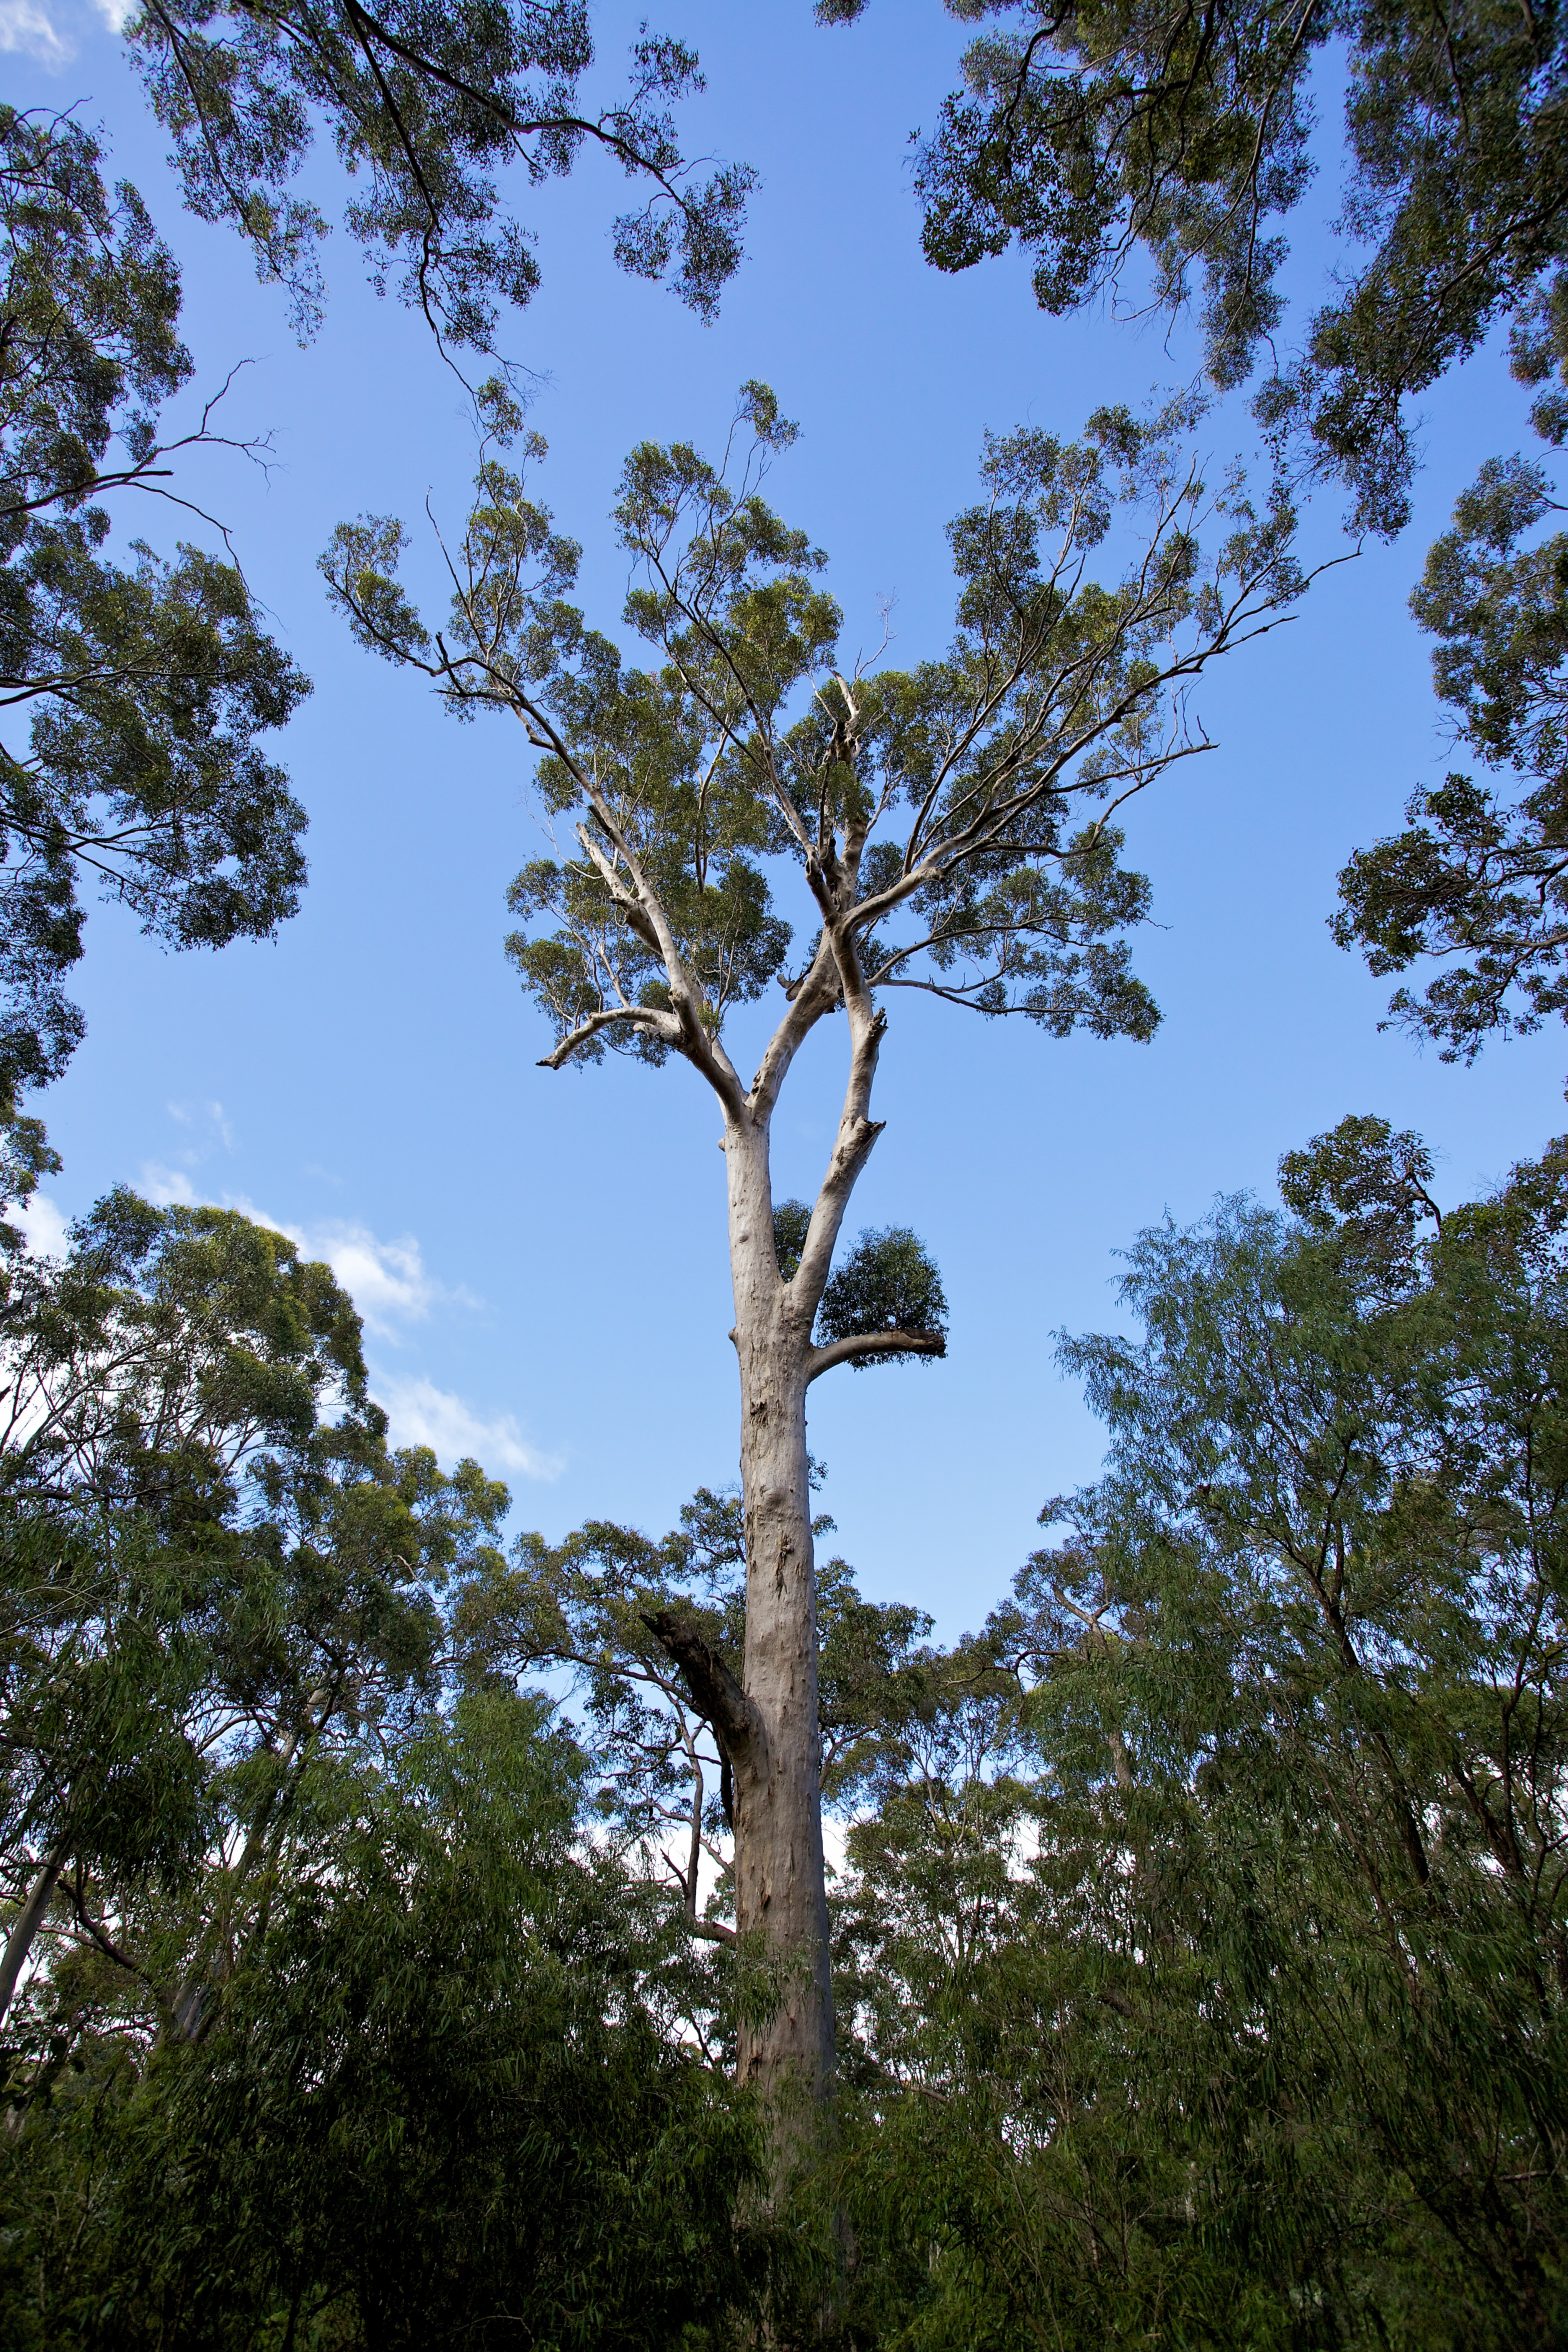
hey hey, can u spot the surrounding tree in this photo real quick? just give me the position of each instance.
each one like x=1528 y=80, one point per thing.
x=646 y=1631
x=1130 y=135
x=424 y=108
x=1202 y=1938
x=1149 y=150
x=950 y=828
x=446 y=2098
x=331 y=2020
x=1479 y=880
x=132 y=688
x=212 y=1567
x=1210 y=1968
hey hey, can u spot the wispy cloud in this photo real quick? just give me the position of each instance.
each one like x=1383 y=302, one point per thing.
x=419 y=1413
x=392 y=1287
x=44 y=1225
x=30 y=31
x=49 y=34
x=388 y=1281
x=168 y=1188
x=209 y=1122
x=205 y=1126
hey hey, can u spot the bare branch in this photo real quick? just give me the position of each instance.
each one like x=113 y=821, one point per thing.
x=713 y=1689
x=646 y=1017
x=858 y=1346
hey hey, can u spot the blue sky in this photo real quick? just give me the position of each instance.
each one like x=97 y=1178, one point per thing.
x=540 y=1257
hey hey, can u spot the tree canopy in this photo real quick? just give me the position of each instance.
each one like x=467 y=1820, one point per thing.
x=418 y=1931
x=1479 y=879
x=133 y=686
x=1198 y=1927
x=425 y=108
x=1154 y=149
x=953 y=824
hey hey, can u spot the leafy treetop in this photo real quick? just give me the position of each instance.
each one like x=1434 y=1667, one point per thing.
x=131 y=691
x=953 y=824
x=425 y=106
x=1091 y=131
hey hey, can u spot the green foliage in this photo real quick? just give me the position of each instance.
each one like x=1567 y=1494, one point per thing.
x=443 y=2103
x=131 y=693
x=1480 y=877
x=425 y=107
x=1208 y=1968
x=335 y=2024
x=600 y=1606
x=1097 y=134
x=210 y=1567
x=940 y=818
x=1202 y=1933
x=1134 y=136
x=888 y=1282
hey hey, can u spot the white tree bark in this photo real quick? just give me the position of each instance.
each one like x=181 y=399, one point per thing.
x=25 y=1926
x=786 y=2036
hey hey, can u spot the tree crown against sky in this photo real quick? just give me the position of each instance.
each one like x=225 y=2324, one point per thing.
x=953 y=823
x=1184 y=139
x=133 y=687
x=1112 y=138
x=1478 y=880
x=213 y=1570
x=139 y=688
x=425 y=107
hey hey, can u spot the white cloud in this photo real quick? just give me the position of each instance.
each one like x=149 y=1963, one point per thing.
x=31 y=31
x=169 y=1188
x=392 y=1287
x=172 y=1183
x=388 y=1281
x=389 y=1284
x=31 y=28
x=419 y=1413
x=44 y=1226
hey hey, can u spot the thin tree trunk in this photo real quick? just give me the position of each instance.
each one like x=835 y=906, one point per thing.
x=25 y=1926
x=195 y=2003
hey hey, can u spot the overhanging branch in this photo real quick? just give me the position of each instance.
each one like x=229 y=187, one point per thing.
x=861 y=1346
x=645 y=1017
x=713 y=1689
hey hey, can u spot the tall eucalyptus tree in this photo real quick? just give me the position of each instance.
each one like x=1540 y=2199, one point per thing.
x=949 y=828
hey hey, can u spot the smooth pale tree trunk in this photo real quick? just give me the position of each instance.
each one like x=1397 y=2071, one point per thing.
x=195 y=2005
x=25 y=1926
x=786 y=2031
x=767 y=1722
